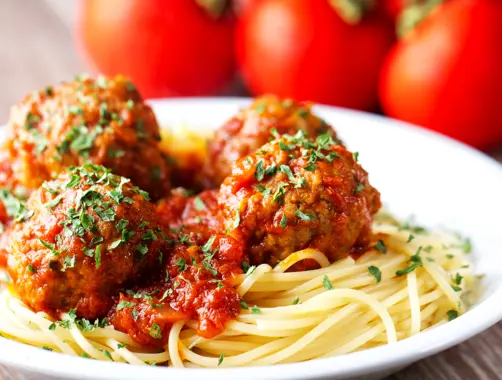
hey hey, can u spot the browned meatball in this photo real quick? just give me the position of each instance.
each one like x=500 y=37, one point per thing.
x=104 y=121
x=296 y=193
x=251 y=128
x=81 y=239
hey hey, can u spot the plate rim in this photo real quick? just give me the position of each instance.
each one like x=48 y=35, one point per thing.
x=484 y=315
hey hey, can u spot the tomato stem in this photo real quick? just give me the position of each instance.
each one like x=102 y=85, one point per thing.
x=414 y=13
x=352 y=11
x=214 y=8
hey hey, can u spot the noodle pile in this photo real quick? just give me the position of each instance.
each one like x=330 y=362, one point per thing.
x=409 y=281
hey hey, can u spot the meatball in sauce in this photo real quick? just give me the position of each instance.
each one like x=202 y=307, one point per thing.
x=90 y=240
x=104 y=121
x=296 y=193
x=252 y=127
x=83 y=237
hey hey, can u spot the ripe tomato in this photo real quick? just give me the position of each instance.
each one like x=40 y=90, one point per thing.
x=303 y=49
x=167 y=47
x=446 y=74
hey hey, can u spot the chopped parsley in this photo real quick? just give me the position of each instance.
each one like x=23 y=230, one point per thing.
x=155 y=331
x=260 y=108
x=306 y=217
x=285 y=147
x=284 y=221
x=302 y=112
x=375 y=272
x=380 y=246
x=279 y=193
x=14 y=207
x=115 y=153
x=271 y=170
x=207 y=265
x=123 y=304
x=181 y=264
x=415 y=262
x=259 y=173
x=142 y=249
x=408 y=226
x=220 y=360
x=237 y=220
x=31 y=268
x=255 y=310
x=75 y=110
x=326 y=283
x=359 y=188
x=97 y=256
x=47 y=244
x=286 y=170
x=299 y=183
x=452 y=314
x=245 y=266
x=149 y=236
x=108 y=355
x=265 y=192
x=68 y=263
x=199 y=204
x=206 y=248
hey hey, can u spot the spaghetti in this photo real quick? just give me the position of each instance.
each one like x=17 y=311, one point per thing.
x=410 y=280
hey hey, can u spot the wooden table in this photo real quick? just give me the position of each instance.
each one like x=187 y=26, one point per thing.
x=37 y=49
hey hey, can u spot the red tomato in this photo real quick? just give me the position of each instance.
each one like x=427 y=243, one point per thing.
x=303 y=49
x=167 y=47
x=447 y=73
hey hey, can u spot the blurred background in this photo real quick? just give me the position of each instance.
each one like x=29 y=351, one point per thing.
x=433 y=63
x=430 y=62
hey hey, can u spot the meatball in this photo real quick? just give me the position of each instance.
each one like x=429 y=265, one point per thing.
x=104 y=121
x=296 y=193
x=82 y=238
x=195 y=216
x=251 y=128
x=192 y=289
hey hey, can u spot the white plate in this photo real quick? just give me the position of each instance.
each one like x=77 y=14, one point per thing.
x=418 y=172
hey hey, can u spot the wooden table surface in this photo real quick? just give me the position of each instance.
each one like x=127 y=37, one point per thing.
x=37 y=49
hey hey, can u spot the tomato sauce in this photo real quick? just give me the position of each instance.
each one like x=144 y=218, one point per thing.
x=197 y=284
